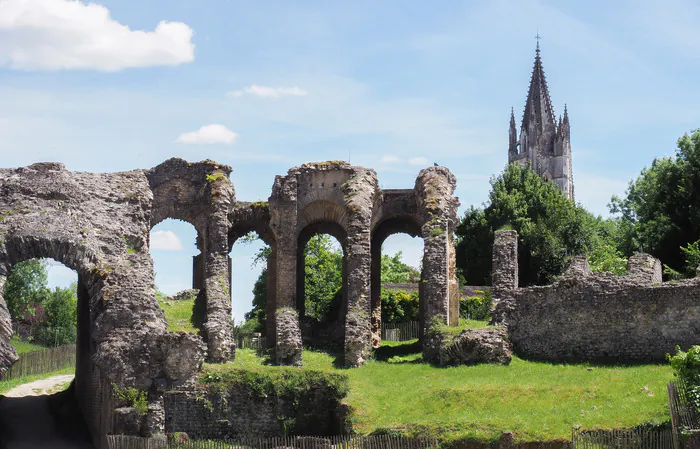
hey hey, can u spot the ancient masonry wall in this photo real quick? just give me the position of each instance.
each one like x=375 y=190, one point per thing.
x=236 y=412
x=600 y=317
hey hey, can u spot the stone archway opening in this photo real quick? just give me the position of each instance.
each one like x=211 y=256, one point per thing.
x=252 y=270
x=322 y=285
x=175 y=247
x=49 y=305
x=402 y=287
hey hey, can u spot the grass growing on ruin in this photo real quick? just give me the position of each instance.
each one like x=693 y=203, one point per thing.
x=23 y=347
x=536 y=401
x=178 y=314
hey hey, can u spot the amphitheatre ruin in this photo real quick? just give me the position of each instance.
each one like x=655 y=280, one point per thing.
x=99 y=225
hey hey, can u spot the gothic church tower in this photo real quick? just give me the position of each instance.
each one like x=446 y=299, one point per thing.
x=543 y=142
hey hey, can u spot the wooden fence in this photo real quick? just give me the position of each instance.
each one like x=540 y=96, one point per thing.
x=400 y=331
x=41 y=362
x=251 y=341
x=334 y=442
x=622 y=439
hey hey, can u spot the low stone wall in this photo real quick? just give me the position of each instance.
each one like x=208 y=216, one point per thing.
x=600 y=317
x=259 y=405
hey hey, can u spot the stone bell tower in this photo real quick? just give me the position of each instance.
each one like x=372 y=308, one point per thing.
x=543 y=141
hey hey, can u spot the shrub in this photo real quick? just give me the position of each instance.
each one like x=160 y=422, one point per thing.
x=399 y=306
x=476 y=307
x=686 y=366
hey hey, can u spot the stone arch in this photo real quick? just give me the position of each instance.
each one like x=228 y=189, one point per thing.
x=331 y=333
x=398 y=224
x=324 y=211
x=255 y=217
x=201 y=194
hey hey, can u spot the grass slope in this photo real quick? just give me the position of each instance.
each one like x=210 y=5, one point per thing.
x=24 y=347
x=536 y=401
x=178 y=314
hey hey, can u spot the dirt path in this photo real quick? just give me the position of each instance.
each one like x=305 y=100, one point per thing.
x=49 y=385
x=42 y=414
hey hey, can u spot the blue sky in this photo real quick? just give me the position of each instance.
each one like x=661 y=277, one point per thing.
x=392 y=85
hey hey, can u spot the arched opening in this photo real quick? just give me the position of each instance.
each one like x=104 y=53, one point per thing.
x=322 y=284
x=50 y=309
x=397 y=297
x=252 y=268
x=177 y=263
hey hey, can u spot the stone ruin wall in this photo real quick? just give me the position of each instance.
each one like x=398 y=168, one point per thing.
x=99 y=225
x=598 y=317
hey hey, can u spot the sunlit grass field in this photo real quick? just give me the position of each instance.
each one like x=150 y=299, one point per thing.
x=24 y=346
x=536 y=401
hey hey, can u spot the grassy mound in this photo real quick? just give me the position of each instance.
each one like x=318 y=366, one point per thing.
x=536 y=401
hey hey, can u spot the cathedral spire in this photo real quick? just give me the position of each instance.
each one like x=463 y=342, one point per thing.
x=512 y=134
x=538 y=107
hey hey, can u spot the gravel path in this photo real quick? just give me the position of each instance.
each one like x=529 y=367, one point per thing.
x=49 y=385
x=42 y=414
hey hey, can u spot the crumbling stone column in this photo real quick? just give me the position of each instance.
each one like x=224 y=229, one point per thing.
x=644 y=268
x=434 y=188
x=285 y=319
x=376 y=301
x=358 y=334
x=578 y=266
x=504 y=269
x=218 y=293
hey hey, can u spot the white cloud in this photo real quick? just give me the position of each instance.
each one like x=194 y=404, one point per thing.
x=268 y=92
x=67 y=34
x=594 y=191
x=165 y=241
x=209 y=134
x=418 y=161
x=389 y=159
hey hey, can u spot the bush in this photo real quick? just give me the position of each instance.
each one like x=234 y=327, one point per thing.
x=476 y=307
x=399 y=306
x=686 y=367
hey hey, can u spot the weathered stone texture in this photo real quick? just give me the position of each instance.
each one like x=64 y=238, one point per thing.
x=644 y=268
x=288 y=342
x=603 y=318
x=504 y=275
x=469 y=347
x=239 y=412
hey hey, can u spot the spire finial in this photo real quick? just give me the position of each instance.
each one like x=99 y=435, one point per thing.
x=538 y=40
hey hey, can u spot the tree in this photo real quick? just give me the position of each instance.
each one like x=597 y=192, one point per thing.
x=550 y=229
x=660 y=212
x=394 y=270
x=323 y=278
x=60 y=325
x=25 y=288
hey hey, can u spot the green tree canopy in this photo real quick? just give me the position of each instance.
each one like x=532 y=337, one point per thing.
x=550 y=228
x=660 y=212
x=25 y=287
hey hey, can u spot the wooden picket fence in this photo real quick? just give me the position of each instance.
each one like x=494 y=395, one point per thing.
x=400 y=331
x=41 y=362
x=622 y=439
x=249 y=341
x=297 y=442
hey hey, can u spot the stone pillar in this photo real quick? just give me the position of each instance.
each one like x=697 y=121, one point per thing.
x=271 y=302
x=376 y=290
x=435 y=278
x=644 y=268
x=8 y=354
x=453 y=284
x=218 y=292
x=358 y=334
x=504 y=269
x=578 y=266
x=286 y=319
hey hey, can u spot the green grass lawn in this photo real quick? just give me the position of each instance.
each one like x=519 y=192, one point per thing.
x=24 y=346
x=536 y=401
x=178 y=314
